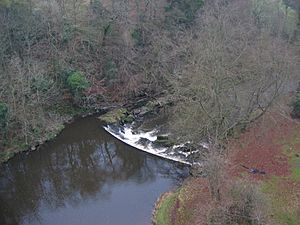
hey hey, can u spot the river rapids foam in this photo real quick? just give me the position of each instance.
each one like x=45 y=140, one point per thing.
x=144 y=141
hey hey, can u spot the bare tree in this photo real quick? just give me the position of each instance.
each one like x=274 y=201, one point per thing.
x=245 y=204
x=234 y=72
x=214 y=172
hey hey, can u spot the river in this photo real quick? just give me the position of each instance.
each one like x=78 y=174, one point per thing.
x=84 y=176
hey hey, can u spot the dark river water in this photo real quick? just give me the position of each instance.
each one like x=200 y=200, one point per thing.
x=84 y=176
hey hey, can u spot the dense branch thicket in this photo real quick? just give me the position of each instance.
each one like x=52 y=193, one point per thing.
x=235 y=69
x=222 y=60
x=56 y=55
x=245 y=204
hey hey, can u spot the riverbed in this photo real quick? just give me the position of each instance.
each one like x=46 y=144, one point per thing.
x=84 y=176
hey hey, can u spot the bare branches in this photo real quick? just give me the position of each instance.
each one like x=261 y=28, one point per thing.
x=234 y=69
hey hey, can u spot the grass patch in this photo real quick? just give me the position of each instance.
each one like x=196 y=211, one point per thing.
x=270 y=186
x=163 y=212
x=289 y=218
x=282 y=191
x=291 y=148
x=295 y=162
x=282 y=202
x=292 y=151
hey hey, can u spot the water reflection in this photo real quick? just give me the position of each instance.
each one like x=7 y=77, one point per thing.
x=83 y=171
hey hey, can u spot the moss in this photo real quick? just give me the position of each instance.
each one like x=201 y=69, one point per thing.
x=115 y=116
x=162 y=214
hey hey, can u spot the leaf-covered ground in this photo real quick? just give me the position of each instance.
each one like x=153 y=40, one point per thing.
x=271 y=144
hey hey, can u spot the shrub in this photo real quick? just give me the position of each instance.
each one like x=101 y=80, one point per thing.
x=77 y=83
x=247 y=205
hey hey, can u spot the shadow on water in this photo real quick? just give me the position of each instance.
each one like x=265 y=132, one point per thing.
x=84 y=176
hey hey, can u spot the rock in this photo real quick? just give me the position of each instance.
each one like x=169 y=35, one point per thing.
x=162 y=138
x=128 y=119
x=151 y=106
x=120 y=115
x=163 y=141
x=143 y=141
x=183 y=149
x=142 y=111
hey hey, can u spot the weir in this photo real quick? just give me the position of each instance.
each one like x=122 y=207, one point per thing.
x=145 y=141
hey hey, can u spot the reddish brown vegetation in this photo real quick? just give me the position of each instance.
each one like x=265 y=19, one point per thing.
x=261 y=147
x=193 y=203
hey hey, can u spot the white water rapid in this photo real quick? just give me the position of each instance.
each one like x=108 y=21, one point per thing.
x=144 y=141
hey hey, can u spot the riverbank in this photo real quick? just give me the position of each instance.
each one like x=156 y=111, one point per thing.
x=272 y=145
x=65 y=114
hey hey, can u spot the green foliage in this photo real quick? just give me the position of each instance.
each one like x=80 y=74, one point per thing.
x=118 y=115
x=77 y=83
x=3 y=116
x=296 y=105
x=182 y=11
